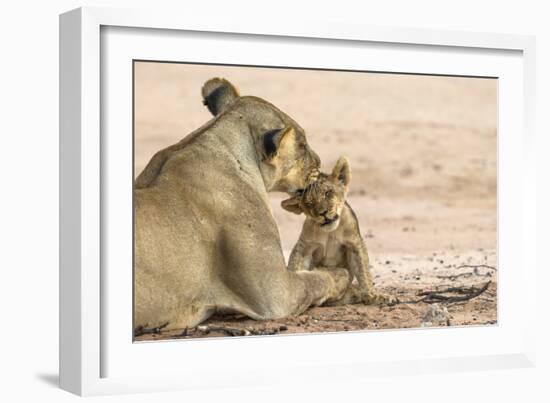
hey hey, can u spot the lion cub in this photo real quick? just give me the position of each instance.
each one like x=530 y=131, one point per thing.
x=330 y=236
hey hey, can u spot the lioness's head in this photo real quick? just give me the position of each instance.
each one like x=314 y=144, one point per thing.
x=323 y=199
x=285 y=158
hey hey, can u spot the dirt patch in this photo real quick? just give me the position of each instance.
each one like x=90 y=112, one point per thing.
x=407 y=277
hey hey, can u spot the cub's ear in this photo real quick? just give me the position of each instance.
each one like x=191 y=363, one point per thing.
x=276 y=140
x=218 y=94
x=342 y=172
x=292 y=205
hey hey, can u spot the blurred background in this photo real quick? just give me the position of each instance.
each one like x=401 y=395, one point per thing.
x=422 y=149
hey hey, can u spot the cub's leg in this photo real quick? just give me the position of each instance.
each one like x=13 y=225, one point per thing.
x=358 y=263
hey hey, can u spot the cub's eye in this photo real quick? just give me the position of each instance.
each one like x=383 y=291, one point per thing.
x=328 y=193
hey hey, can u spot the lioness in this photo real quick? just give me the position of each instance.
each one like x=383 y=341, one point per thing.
x=330 y=235
x=205 y=237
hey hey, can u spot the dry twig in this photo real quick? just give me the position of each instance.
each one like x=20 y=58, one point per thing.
x=474 y=266
x=230 y=331
x=141 y=330
x=454 y=276
x=431 y=297
x=233 y=331
x=468 y=274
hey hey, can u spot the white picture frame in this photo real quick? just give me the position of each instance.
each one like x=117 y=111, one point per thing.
x=97 y=357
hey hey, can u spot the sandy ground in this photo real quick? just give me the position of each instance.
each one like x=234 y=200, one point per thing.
x=423 y=155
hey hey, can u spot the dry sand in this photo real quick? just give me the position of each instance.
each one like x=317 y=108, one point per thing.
x=423 y=155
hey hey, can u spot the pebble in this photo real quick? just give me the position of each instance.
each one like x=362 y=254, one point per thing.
x=436 y=315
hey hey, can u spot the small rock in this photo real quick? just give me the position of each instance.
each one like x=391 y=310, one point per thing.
x=436 y=315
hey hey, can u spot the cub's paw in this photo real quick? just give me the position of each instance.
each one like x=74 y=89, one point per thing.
x=376 y=298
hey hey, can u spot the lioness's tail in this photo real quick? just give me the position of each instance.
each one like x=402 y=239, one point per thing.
x=218 y=94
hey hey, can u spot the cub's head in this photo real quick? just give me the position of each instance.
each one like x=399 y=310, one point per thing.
x=324 y=198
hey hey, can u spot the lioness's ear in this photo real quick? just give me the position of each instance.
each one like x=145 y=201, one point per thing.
x=342 y=171
x=292 y=205
x=218 y=94
x=275 y=140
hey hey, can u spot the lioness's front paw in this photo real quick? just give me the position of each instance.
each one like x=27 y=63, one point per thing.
x=341 y=279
